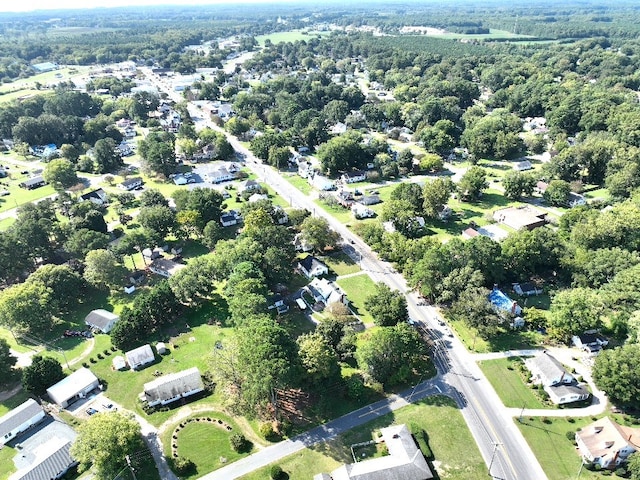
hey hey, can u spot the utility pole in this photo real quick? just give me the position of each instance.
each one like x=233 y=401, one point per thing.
x=493 y=455
x=521 y=413
x=133 y=472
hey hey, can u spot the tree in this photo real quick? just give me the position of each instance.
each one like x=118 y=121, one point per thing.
x=66 y=285
x=457 y=281
x=318 y=358
x=410 y=192
x=392 y=355
x=387 y=307
x=83 y=240
x=158 y=152
x=574 y=311
x=106 y=156
x=473 y=308
x=557 y=193
x=472 y=183
x=342 y=153
x=26 y=307
x=103 y=269
x=206 y=201
x=195 y=282
x=212 y=233
x=436 y=194
x=159 y=220
x=431 y=162
x=516 y=184
x=153 y=197
x=7 y=362
x=617 y=372
x=104 y=442
x=317 y=233
x=41 y=374
x=60 y=173
x=531 y=252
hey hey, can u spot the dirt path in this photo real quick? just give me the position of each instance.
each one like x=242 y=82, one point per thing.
x=5 y=394
x=85 y=353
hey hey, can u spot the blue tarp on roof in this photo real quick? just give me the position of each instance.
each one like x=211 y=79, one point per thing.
x=503 y=302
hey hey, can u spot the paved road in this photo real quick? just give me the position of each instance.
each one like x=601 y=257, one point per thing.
x=501 y=444
x=327 y=431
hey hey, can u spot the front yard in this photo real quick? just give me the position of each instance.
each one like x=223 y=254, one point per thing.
x=507 y=381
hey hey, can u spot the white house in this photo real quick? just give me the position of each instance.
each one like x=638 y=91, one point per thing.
x=139 y=357
x=219 y=175
x=102 y=320
x=228 y=220
x=164 y=267
x=305 y=169
x=248 y=186
x=591 y=341
x=71 y=388
x=522 y=166
x=360 y=211
x=607 y=444
x=311 y=267
x=300 y=245
x=327 y=292
x=19 y=419
x=353 y=177
x=131 y=183
x=554 y=378
x=175 y=386
x=405 y=461
x=98 y=197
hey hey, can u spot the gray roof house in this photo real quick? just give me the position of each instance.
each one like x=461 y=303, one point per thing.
x=556 y=381
x=98 y=196
x=54 y=460
x=312 y=267
x=139 y=357
x=130 y=183
x=404 y=462
x=20 y=419
x=175 y=386
x=33 y=183
x=102 y=320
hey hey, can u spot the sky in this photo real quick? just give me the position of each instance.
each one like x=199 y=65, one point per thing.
x=29 y=5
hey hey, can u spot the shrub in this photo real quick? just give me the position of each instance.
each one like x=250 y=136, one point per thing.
x=183 y=466
x=92 y=360
x=267 y=431
x=85 y=364
x=100 y=356
x=239 y=443
x=276 y=473
x=106 y=352
x=570 y=435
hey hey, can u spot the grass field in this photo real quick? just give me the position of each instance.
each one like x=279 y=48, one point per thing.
x=358 y=288
x=507 y=340
x=290 y=36
x=6 y=223
x=508 y=384
x=493 y=34
x=340 y=263
x=438 y=416
x=300 y=183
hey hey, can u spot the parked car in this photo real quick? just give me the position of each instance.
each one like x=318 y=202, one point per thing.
x=91 y=411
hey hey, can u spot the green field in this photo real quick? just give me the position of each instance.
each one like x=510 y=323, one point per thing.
x=358 y=288
x=438 y=416
x=507 y=382
x=6 y=223
x=300 y=183
x=341 y=264
x=290 y=36
x=493 y=34
x=507 y=340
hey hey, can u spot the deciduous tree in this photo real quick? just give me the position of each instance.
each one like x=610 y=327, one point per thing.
x=387 y=307
x=41 y=374
x=617 y=372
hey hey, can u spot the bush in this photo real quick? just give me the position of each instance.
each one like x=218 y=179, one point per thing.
x=570 y=435
x=267 y=431
x=100 y=356
x=183 y=466
x=239 y=443
x=276 y=473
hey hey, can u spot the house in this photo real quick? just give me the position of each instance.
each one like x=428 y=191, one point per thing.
x=152 y=254
x=53 y=460
x=326 y=292
x=277 y=301
x=338 y=129
x=607 y=444
x=469 y=233
x=353 y=177
x=526 y=289
x=219 y=175
x=360 y=211
x=280 y=215
x=75 y=386
x=519 y=218
x=345 y=198
x=256 y=197
x=248 y=186
x=137 y=277
x=305 y=169
x=228 y=220
x=139 y=357
x=102 y=320
x=119 y=363
x=494 y=232
x=20 y=419
x=503 y=303
x=522 y=166
x=45 y=67
x=575 y=200
x=559 y=384
x=300 y=245
x=591 y=341
x=369 y=200
x=311 y=267
x=131 y=183
x=172 y=387
x=33 y=183
x=98 y=197
x=165 y=267
x=405 y=461
x=321 y=183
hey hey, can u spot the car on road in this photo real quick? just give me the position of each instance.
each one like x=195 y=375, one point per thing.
x=91 y=411
x=411 y=321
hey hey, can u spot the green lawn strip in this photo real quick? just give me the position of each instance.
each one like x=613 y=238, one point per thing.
x=300 y=183
x=204 y=443
x=10 y=96
x=439 y=417
x=506 y=340
x=19 y=196
x=5 y=223
x=7 y=467
x=547 y=437
x=508 y=383
x=341 y=263
x=12 y=402
x=6 y=334
x=358 y=288
x=343 y=215
x=290 y=36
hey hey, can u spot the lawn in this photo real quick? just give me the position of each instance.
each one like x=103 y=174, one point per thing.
x=507 y=340
x=290 y=36
x=300 y=183
x=507 y=381
x=204 y=443
x=358 y=288
x=6 y=223
x=438 y=416
x=19 y=196
x=557 y=455
x=341 y=263
x=343 y=215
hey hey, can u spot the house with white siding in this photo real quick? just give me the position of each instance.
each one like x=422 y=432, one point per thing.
x=20 y=419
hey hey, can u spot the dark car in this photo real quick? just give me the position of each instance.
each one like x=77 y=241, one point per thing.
x=91 y=411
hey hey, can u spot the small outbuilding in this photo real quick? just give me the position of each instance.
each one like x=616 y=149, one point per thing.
x=119 y=363
x=75 y=386
x=161 y=348
x=139 y=357
x=101 y=320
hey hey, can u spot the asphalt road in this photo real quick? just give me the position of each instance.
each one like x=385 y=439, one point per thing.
x=504 y=449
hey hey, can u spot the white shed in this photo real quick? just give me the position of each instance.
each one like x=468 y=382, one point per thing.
x=161 y=348
x=75 y=386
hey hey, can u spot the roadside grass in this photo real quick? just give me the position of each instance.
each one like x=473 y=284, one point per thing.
x=508 y=383
x=506 y=340
x=299 y=182
x=341 y=263
x=358 y=288
x=343 y=215
x=437 y=416
x=5 y=223
x=204 y=443
x=547 y=437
